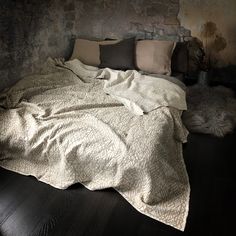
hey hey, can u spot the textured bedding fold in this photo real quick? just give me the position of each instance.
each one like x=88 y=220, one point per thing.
x=140 y=93
x=61 y=127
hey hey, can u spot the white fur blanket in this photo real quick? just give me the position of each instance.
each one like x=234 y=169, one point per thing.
x=211 y=110
x=62 y=128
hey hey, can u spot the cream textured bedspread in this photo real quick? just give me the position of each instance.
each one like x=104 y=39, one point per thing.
x=61 y=127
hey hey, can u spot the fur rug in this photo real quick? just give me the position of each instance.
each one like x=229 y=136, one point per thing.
x=211 y=110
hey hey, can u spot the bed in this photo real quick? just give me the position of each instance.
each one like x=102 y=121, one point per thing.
x=102 y=128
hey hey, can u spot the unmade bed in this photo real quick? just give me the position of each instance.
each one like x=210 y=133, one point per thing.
x=102 y=128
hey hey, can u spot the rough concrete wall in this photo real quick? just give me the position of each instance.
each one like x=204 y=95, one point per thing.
x=30 y=31
x=213 y=22
x=26 y=32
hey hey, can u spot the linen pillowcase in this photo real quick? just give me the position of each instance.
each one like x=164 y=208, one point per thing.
x=87 y=51
x=154 y=56
x=179 y=60
x=119 y=56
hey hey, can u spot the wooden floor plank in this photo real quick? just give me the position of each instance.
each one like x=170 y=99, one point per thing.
x=29 y=207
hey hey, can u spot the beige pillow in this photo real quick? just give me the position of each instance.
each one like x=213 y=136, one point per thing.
x=88 y=51
x=154 y=56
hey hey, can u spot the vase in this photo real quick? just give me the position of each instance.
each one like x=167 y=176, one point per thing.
x=203 y=78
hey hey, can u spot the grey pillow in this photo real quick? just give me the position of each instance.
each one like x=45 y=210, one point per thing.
x=119 y=56
x=179 y=60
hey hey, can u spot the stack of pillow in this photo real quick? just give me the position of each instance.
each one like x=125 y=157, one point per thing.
x=151 y=56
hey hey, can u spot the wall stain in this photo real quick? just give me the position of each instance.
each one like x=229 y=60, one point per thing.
x=214 y=43
x=209 y=29
x=219 y=43
x=213 y=22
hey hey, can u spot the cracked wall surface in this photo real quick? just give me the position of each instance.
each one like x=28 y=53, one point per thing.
x=213 y=22
x=30 y=31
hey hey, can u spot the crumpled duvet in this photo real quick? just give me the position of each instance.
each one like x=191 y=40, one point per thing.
x=62 y=127
x=138 y=92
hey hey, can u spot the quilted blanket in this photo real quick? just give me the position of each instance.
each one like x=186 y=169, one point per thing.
x=62 y=127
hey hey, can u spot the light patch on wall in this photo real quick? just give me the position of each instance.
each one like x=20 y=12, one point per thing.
x=213 y=22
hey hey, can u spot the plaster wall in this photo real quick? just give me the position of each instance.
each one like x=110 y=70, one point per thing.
x=214 y=23
x=32 y=30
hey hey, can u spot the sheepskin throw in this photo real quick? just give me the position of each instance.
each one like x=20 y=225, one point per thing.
x=211 y=110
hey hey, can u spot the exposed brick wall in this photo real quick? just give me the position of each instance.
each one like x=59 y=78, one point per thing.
x=32 y=30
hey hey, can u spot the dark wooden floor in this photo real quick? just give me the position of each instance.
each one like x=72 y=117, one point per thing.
x=28 y=207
